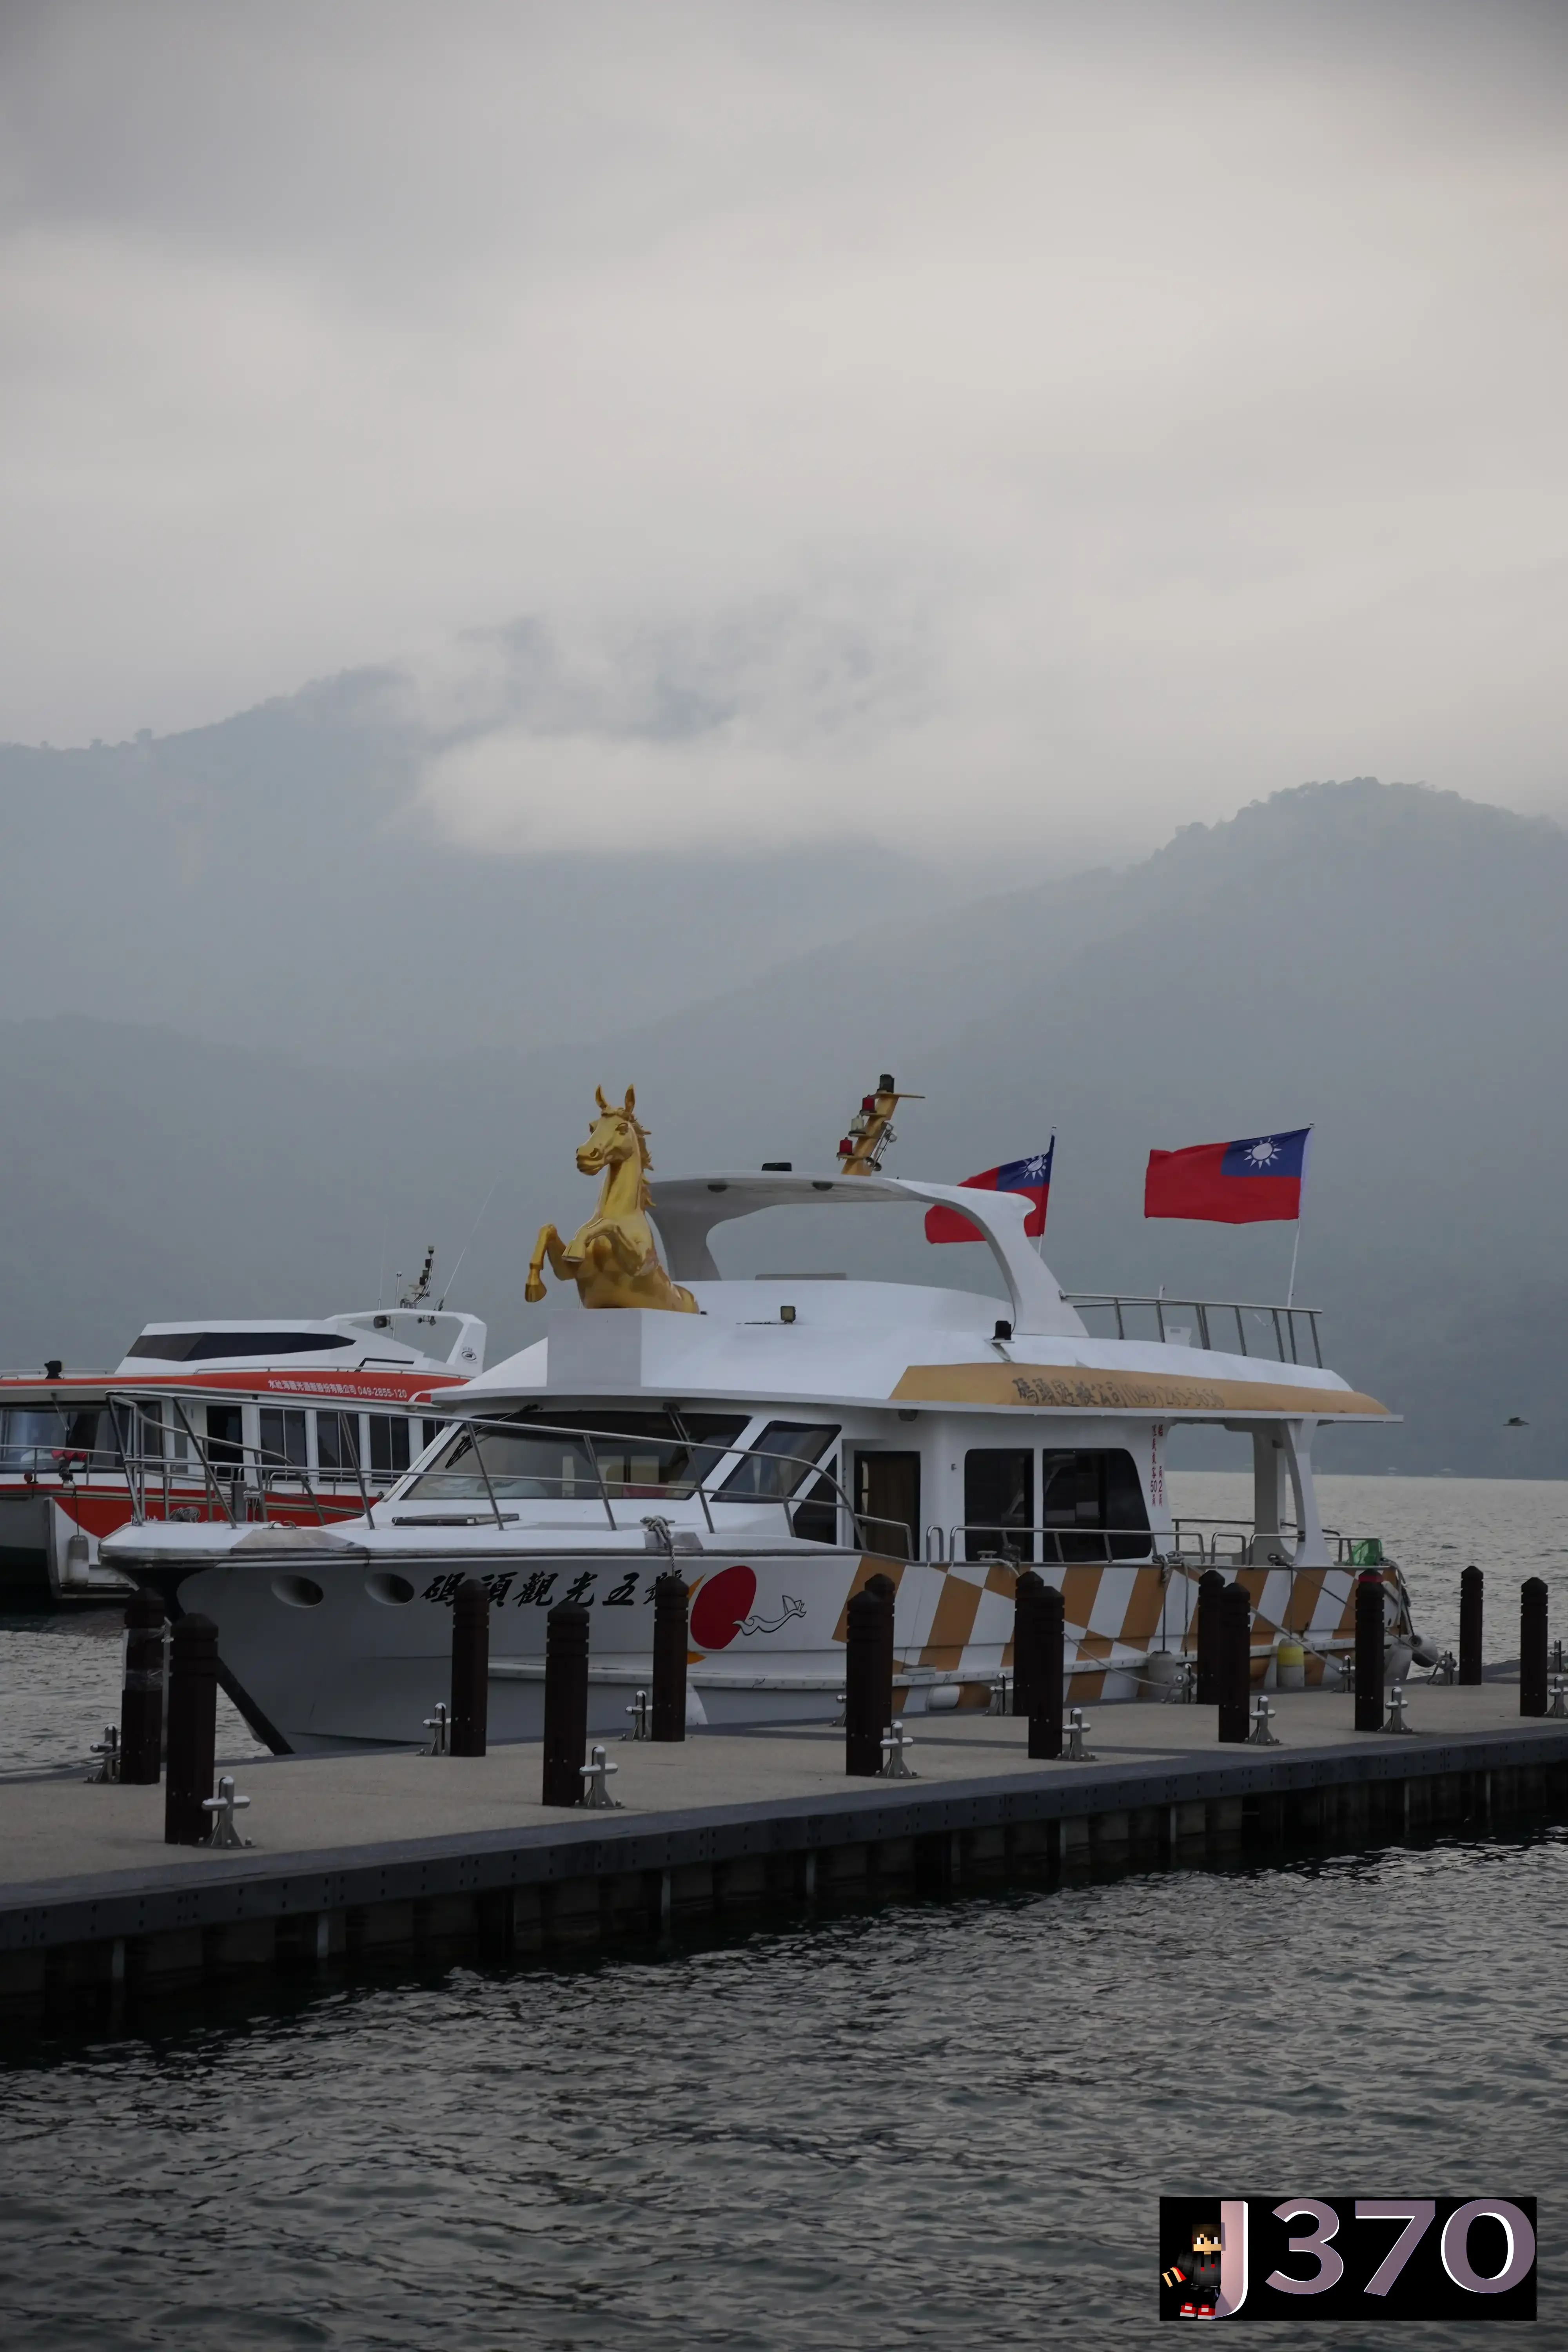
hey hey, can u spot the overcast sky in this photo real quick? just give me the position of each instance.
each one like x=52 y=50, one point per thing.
x=1085 y=418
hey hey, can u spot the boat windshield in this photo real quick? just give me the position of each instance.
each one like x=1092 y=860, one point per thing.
x=655 y=1455
x=780 y=1461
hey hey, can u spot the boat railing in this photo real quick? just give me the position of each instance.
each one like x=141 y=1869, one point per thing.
x=1282 y=1334
x=160 y=1456
x=241 y=1482
x=982 y=1542
x=1216 y=1541
x=1197 y=1543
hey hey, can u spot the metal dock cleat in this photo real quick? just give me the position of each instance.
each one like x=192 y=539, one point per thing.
x=638 y=1711
x=223 y=1809
x=1076 y=1752
x=1396 y=1709
x=108 y=1751
x=596 y=1797
x=895 y=1739
x=1000 y=1700
x=439 y=1727
x=1558 y=1688
x=1263 y=1734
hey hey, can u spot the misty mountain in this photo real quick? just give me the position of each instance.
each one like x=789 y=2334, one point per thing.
x=287 y=878
x=1385 y=961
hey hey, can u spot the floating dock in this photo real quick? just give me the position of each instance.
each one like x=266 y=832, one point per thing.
x=394 y=1856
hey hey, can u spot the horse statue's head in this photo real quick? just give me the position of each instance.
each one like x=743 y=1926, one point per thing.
x=616 y=1135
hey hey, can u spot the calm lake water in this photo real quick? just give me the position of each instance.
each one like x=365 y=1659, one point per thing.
x=942 y=2123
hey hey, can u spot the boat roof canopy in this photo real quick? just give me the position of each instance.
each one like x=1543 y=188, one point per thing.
x=685 y=1209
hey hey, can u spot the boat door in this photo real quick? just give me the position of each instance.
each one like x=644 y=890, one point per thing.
x=888 y=1496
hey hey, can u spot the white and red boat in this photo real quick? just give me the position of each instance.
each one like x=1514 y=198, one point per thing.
x=298 y=1420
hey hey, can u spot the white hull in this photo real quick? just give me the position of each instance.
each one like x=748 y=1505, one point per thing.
x=363 y=1666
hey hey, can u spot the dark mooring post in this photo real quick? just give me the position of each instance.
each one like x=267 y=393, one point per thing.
x=1234 y=1694
x=193 y=1730
x=1369 y=1653
x=1050 y=1666
x=141 y=1693
x=1028 y=1628
x=863 y=1657
x=1211 y=1584
x=671 y=1603
x=887 y=1592
x=471 y=1667
x=1532 y=1646
x=1472 y=1591
x=565 y=1702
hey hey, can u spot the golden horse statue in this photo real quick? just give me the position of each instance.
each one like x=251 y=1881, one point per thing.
x=612 y=1258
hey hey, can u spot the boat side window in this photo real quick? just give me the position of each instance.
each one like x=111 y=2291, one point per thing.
x=30 y=1436
x=815 y=1517
x=89 y=1434
x=388 y=1445
x=142 y=1427
x=1082 y=1494
x=283 y=1438
x=777 y=1464
x=225 y=1436
x=999 y=1502
x=337 y=1445
x=204 y=1347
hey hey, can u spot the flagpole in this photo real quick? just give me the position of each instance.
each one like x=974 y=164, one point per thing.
x=1296 y=1245
x=1040 y=1236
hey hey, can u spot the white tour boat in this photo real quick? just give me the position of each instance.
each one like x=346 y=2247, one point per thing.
x=283 y=1418
x=782 y=1440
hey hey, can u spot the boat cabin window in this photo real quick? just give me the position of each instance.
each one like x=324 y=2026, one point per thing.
x=649 y=1456
x=887 y=1502
x=999 y=1502
x=199 y=1347
x=152 y=1436
x=388 y=1445
x=1083 y=1493
x=30 y=1436
x=225 y=1436
x=815 y=1518
x=337 y=1445
x=778 y=1462
x=283 y=1439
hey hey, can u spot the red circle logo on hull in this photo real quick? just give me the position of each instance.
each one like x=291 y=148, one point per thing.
x=720 y=1605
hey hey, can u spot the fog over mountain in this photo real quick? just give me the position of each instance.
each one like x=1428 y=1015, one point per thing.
x=1384 y=961
x=308 y=874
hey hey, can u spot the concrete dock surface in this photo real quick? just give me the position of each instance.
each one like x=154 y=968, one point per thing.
x=59 y=1830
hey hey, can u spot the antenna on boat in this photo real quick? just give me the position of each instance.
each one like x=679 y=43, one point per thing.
x=871 y=1128
x=421 y=1289
x=468 y=1246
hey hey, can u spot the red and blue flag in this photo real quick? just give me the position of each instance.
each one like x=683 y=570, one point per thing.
x=1032 y=1176
x=1251 y=1181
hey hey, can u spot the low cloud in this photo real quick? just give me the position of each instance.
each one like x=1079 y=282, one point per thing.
x=1065 y=413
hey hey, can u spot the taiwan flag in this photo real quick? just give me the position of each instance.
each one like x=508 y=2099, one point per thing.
x=1030 y=1176
x=1249 y=1182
